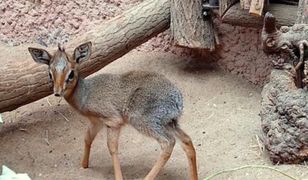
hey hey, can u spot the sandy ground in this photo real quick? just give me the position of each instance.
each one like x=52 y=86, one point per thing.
x=221 y=116
x=221 y=110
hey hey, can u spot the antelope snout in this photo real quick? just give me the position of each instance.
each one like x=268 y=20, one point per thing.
x=58 y=92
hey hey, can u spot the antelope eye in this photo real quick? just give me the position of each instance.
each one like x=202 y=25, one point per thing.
x=71 y=76
x=50 y=76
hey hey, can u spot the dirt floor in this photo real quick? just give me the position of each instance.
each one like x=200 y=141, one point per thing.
x=45 y=138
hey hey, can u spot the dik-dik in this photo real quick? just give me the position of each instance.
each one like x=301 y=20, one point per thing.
x=146 y=100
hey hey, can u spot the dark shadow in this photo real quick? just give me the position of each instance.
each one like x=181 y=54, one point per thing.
x=202 y=62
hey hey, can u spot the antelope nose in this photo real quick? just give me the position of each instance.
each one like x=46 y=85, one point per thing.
x=57 y=94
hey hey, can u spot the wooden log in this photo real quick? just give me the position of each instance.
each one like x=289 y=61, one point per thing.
x=188 y=27
x=285 y=14
x=256 y=7
x=224 y=5
x=245 y=4
x=23 y=81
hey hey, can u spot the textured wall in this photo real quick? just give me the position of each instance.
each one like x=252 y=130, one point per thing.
x=240 y=52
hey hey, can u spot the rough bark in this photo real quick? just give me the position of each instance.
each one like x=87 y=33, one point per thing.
x=188 y=27
x=285 y=14
x=224 y=5
x=23 y=81
x=256 y=7
x=245 y=4
x=302 y=13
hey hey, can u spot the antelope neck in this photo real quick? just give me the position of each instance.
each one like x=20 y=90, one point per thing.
x=77 y=95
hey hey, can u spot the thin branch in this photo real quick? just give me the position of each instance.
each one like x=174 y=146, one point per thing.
x=260 y=145
x=47 y=138
x=66 y=119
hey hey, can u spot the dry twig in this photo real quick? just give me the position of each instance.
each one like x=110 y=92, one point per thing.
x=250 y=167
x=66 y=119
x=47 y=138
x=260 y=145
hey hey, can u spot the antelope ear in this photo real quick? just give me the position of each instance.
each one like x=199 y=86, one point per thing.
x=83 y=52
x=40 y=55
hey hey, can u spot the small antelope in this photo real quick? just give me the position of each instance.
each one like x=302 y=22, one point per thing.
x=146 y=100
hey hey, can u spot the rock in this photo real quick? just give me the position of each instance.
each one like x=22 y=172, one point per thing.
x=57 y=22
x=74 y=23
x=46 y=2
x=13 y=43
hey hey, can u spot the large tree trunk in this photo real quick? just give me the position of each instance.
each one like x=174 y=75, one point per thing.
x=188 y=27
x=23 y=81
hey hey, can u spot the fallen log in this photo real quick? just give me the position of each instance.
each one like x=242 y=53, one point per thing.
x=285 y=14
x=22 y=81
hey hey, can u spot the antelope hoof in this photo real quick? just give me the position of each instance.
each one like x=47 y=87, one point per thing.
x=85 y=164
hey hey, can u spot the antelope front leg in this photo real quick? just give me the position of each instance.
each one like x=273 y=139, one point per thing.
x=92 y=131
x=113 y=141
